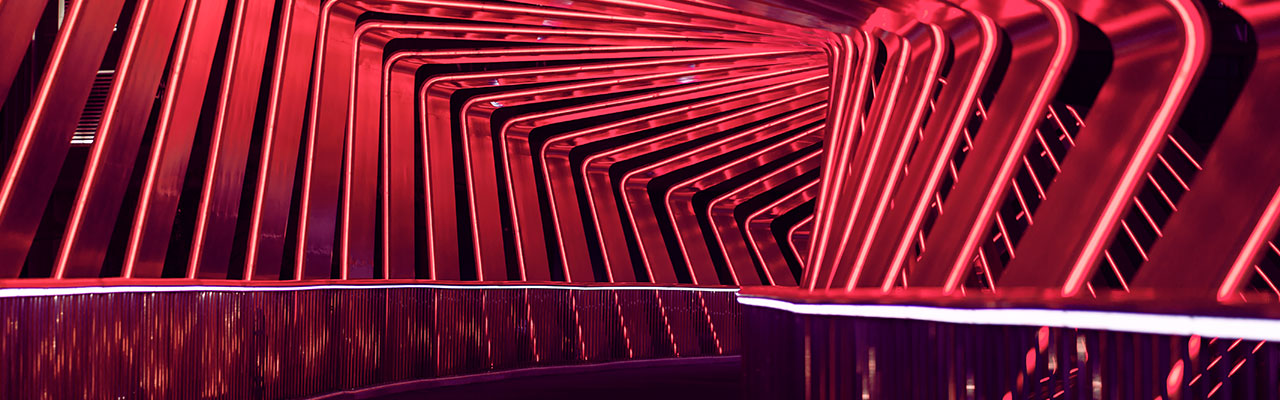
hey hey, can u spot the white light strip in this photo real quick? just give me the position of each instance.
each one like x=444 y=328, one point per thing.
x=1157 y=324
x=36 y=292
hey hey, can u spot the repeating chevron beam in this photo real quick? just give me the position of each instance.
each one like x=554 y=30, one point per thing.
x=444 y=140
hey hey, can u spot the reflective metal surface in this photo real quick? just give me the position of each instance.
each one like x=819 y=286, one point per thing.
x=289 y=342
x=1092 y=152
x=811 y=356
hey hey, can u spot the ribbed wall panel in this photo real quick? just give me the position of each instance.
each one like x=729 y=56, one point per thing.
x=295 y=343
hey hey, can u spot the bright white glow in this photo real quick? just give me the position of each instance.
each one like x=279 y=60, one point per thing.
x=1156 y=324
x=36 y=292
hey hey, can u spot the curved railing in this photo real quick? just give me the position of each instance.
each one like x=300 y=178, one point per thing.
x=1015 y=345
x=232 y=340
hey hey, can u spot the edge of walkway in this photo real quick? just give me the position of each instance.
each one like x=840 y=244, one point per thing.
x=428 y=383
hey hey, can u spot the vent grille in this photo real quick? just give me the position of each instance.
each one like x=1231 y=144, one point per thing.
x=93 y=109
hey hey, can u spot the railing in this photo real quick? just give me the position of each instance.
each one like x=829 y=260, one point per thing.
x=915 y=344
x=228 y=340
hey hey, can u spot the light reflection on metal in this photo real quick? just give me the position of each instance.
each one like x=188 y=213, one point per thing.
x=963 y=147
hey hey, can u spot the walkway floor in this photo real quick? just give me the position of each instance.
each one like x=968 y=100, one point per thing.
x=718 y=380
